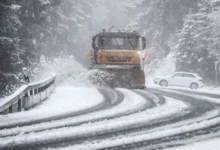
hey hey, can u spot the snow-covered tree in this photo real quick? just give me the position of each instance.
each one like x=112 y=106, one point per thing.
x=198 y=46
x=190 y=28
x=160 y=20
x=10 y=61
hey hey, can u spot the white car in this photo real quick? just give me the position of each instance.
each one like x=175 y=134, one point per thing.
x=183 y=79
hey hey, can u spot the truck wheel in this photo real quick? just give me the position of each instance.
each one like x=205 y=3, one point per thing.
x=163 y=83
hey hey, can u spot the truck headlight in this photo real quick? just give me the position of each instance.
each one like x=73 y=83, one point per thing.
x=139 y=52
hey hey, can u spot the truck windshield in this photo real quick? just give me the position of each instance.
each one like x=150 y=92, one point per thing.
x=118 y=43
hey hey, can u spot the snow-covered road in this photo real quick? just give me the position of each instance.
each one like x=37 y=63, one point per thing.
x=57 y=106
x=90 y=118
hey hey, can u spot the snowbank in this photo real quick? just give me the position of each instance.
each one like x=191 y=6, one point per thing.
x=66 y=68
x=64 y=100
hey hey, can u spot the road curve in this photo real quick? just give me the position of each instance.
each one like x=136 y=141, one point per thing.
x=128 y=119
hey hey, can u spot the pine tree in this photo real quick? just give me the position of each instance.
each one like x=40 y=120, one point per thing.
x=33 y=32
x=10 y=61
x=160 y=21
x=198 y=48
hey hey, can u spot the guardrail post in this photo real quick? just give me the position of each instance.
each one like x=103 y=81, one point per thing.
x=19 y=105
x=25 y=102
x=10 y=109
x=15 y=107
x=216 y=72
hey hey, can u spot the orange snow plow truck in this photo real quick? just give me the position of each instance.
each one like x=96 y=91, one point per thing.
x=116 y=57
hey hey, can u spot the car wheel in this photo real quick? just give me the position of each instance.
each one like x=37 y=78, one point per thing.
x=194 y=86
x=163 y=83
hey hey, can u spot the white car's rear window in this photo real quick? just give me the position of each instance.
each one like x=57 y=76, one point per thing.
x=189 y=76
x=178 y=75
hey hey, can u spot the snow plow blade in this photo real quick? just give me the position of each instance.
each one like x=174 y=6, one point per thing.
x=126 y=76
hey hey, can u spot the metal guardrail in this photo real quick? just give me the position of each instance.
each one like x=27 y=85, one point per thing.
x=28 y=96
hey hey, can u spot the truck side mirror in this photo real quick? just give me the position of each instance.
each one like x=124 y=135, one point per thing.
x=94 y=46
x=144 y=42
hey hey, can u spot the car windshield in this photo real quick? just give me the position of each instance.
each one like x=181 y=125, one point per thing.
x=118 y=43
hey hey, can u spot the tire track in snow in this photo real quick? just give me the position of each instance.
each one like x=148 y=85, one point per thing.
x=112 y=98
x=108 y=102
x=207 y=126
x=140 y=105
x=206 y=107
x=122 y=128
x=210 y=95
x=139 y=128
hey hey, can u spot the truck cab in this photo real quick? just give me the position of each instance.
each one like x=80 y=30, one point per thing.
x=118 y=55
x=117 y=48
